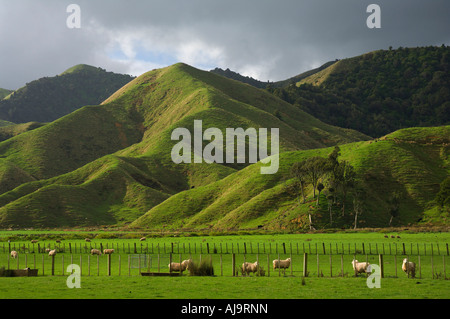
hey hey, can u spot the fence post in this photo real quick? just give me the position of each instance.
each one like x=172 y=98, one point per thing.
x=53 y=265
x=305 y=264
x=233 y=263
x=342 y=265
x=109 y=264
x=318 y=269
x=380 y=258
x=331 y=266
x=268 y=265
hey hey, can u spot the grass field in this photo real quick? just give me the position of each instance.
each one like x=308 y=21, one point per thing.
x=325 y=280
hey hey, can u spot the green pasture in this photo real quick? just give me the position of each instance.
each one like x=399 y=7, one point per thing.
x=329 y=273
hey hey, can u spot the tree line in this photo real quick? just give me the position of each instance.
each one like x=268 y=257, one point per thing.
x=334 y=178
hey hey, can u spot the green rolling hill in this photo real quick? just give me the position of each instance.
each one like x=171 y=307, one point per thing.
x=4 y=93
x=410 y=162
x=110 y=163
x=378 y=92
x=49 y=98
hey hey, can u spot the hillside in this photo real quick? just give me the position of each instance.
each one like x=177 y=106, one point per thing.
x=111 y=163
x=50 y=98
x=378 y=92
x=10 y=130
x=410 y=162
x=4 y=93
x=262 y=85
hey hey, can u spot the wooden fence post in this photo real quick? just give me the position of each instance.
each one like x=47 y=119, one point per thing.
x=109 y=264
x=305 y=264
x=53 y=265
x=233 y=263
x=318 y=269
x=380 y=258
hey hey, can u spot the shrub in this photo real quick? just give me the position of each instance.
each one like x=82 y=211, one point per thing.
x=201 y=268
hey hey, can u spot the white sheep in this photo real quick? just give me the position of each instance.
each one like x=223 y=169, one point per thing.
x=108 y=251
x=409 y=267
x=282 y=264
x=96 y=252
x=52 y=252
x=360 y=267
x=14 y=254
x=247 y=268
x=180 y=266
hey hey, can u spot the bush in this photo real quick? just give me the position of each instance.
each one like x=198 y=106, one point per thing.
x=201 y=268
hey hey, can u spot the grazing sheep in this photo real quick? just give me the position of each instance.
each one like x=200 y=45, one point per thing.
x=247 y=268
x=180 y=266
x=392 y=236
x=360 y=267
x=386 y=236
x=142 y=239
x=96 y=252
x=52 y=252
x=47 y=250
x=108 y=251
x=87 y=240
x=283 y=264
x=14 y=254
x=34 y=241
x=409 y=267
x=58 y=241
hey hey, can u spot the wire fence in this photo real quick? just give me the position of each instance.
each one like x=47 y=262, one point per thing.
x=306 y=265
x=297 y=248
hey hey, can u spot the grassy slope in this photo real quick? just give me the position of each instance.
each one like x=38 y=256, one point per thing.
x=49 y=98
x=79 y=185
x=412 y=161
x=4 y=93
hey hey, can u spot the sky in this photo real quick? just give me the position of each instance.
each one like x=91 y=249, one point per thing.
x=267 y=40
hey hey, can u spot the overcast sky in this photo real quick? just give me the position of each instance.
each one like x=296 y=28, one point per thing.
x=268 y=40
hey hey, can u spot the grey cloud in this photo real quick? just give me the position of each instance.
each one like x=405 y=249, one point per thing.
x=270 y=40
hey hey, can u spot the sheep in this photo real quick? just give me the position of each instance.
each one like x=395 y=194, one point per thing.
x=409 y=267
x=108 y=251
x=180 y=266
x=360 y=267
x=247 y=268
x=52 y=252
x=14 y=254
x=58 y=241
x=34 y=241
x=96 y=252
x=282 y=264
x=87 y=240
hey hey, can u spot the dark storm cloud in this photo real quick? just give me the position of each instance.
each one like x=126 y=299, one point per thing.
x=269 y=40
